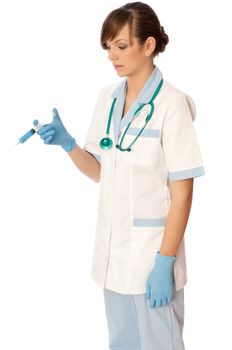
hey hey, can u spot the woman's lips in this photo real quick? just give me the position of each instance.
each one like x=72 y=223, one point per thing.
x=116 y=66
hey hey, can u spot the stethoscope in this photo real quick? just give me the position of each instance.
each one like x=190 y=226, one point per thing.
x=106 y=143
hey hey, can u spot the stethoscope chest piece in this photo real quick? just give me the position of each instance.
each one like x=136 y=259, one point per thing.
x=106 y=143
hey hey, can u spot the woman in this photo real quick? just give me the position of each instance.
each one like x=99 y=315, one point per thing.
x=146 y=184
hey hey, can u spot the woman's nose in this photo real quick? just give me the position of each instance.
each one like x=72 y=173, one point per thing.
x=112 y=55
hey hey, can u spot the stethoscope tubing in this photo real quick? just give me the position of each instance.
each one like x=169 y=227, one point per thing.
x=106 y=143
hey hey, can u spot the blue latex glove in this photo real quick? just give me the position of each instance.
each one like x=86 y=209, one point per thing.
x=159 y=288
x=55 y=133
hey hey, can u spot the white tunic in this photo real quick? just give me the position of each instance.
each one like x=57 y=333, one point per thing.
x=134 y=196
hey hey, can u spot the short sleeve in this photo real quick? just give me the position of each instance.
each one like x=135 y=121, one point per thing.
x=91 y=143
x=179 y=140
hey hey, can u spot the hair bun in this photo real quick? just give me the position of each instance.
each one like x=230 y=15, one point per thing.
x=163 y=39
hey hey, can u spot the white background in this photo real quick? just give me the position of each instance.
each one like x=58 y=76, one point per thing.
x=51 y=57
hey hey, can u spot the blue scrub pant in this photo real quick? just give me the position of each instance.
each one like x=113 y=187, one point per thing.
x=133 y=325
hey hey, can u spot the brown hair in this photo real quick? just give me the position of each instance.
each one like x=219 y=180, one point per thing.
x=143 y=22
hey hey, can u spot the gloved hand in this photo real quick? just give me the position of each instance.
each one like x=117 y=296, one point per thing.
x=159 y=288
x=55 y=133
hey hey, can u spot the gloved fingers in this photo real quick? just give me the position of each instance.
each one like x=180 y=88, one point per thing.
x=148 y=291
x=55 y=113
x=47 y=134
x=155 y=301
x=169 y=298
x=56 y=117
x=158 y=302
x=164 y=301
x=48 y=139
x=45 y=128
x=152 y=303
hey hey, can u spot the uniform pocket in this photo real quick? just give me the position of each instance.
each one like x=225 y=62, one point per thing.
x=145 y=150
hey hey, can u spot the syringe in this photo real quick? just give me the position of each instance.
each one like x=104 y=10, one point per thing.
x=31 y=132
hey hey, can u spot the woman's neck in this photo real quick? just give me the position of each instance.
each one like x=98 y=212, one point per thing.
x=136 y=82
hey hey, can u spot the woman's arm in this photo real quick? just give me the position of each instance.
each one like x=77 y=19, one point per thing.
x=86 y=163
x=177 y=218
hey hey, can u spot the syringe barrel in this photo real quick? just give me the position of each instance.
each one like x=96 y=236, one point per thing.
x=26 y=136
x=33 y=130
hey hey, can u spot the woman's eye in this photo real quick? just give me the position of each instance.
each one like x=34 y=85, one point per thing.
x=120 y=47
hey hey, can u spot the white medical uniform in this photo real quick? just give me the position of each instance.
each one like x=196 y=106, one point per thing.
x=134 y=196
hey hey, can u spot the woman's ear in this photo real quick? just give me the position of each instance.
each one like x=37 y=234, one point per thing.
x=149 y=46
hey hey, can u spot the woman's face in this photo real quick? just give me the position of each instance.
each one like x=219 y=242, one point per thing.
x=129 y=58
